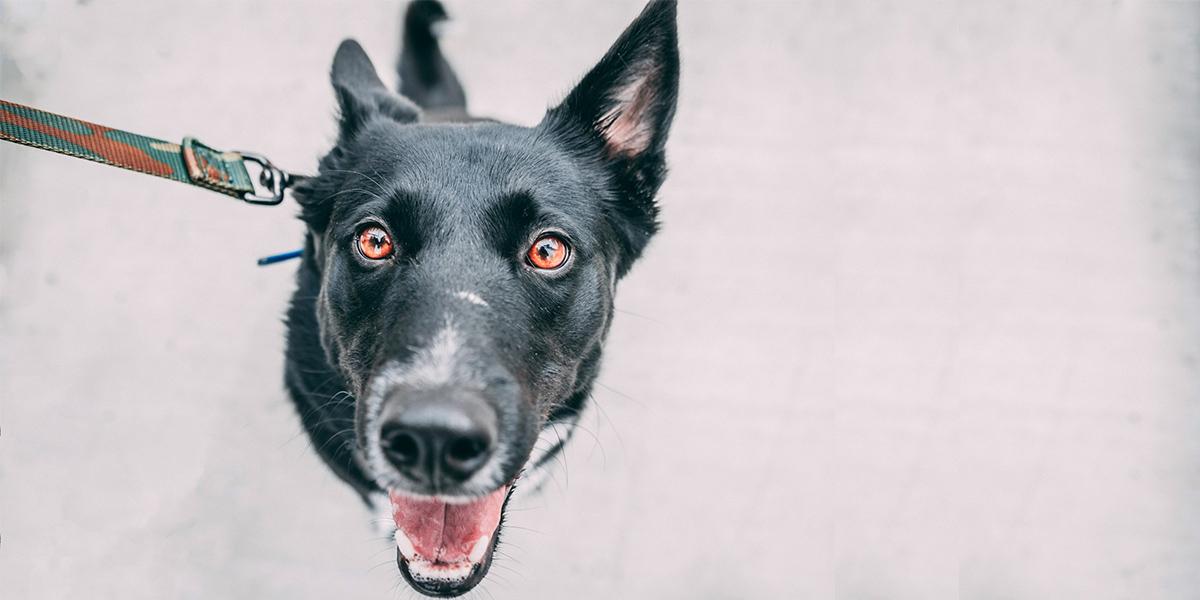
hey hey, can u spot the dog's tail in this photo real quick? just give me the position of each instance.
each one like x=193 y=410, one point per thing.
x=425 y=76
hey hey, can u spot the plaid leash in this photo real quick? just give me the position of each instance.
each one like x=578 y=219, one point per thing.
x=189 y=162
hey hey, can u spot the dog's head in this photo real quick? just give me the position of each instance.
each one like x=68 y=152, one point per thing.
x=467 y=274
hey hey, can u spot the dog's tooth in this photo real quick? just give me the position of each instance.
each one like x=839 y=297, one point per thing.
x=427 y=571
x=405 y=545
x=479 y=549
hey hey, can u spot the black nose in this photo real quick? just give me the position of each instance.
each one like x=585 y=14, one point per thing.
x=437 y=440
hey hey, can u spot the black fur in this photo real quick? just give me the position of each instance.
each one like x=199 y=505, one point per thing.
x=425 y=76
x=462 y=203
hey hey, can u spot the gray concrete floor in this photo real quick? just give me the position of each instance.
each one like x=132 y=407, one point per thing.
x=922 y=323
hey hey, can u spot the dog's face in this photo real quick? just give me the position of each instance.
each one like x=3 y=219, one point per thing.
x=466 y=281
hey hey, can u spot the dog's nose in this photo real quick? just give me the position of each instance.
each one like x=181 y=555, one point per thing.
x=438 y=439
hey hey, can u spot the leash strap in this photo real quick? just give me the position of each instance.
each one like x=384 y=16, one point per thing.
x=189 y=162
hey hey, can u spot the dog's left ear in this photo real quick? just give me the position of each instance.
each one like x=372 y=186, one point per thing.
x=620 y=114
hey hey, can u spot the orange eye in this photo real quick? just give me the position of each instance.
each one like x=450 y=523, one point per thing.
x=548 y=252
x=375 y=243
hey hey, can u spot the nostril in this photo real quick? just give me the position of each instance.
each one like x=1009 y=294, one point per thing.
x=402 y=447
x=466 y=454
x=466 y=449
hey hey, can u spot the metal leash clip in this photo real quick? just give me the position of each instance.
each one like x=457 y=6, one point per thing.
x=249 y=176
x=270 y=183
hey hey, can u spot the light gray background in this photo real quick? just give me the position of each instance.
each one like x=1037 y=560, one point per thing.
x=922 y=322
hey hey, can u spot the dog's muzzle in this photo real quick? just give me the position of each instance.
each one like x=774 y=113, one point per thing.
x=433 y=435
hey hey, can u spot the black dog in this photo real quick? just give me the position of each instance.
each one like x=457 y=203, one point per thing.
x=458 y=278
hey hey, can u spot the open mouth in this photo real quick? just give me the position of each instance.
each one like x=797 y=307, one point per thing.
x=445 y=548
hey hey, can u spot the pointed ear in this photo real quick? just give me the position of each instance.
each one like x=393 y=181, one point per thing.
x=628 y=99
x=361 y=95
x=621 y=112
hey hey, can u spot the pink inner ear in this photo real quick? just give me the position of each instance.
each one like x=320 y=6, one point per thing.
x=629 y=130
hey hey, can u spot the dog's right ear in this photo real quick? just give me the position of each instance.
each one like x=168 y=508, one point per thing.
x=361 y=97
x=360 y=93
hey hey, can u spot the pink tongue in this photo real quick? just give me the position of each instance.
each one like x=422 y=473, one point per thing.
x=446 y=533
